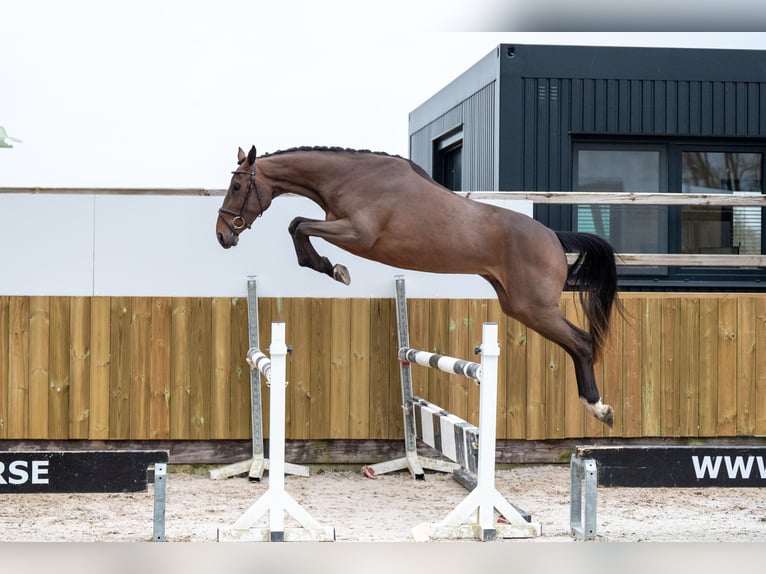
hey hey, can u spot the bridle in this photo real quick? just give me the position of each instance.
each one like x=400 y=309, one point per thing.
x=238 y=222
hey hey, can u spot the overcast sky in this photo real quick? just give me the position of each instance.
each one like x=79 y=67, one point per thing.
x=161 y=93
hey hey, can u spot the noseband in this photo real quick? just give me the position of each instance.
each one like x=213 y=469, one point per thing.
x=238 y=223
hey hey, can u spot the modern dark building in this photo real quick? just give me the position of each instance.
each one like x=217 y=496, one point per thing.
x=578 y=118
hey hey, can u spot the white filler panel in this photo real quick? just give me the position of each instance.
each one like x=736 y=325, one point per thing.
x=165 y=245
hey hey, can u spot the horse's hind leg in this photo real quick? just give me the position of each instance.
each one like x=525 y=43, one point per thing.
x=547 y=320
x=301 y=228
x=578 y=344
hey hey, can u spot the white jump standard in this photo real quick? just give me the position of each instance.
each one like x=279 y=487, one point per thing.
x=474 y=516
x=256 y=464
x=275 y=501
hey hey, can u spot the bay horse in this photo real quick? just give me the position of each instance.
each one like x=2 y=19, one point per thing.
x=388 y=209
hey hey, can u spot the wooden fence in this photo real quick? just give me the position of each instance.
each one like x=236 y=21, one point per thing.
x=679 y=365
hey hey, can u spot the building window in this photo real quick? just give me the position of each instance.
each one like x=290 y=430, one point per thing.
x=630 y=229
x=721 y=229
x=448 y=160
x=675 y=167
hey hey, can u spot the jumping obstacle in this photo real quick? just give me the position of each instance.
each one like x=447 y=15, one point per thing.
x=255 y=465
x=474 y=516
x=655 y=466
x=46 y=472
x=275 y=501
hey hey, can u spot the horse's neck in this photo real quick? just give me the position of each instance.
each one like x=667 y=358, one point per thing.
x=291 y=178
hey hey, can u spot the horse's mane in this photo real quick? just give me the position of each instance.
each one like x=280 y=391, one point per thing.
x=335 y=149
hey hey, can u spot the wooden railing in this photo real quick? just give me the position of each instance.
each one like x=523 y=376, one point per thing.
x=667 y=199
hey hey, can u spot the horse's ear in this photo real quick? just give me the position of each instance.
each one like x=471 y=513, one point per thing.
x=240 y=156
x=251 y=156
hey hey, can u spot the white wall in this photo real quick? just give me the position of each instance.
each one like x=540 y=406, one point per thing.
x=165 y=245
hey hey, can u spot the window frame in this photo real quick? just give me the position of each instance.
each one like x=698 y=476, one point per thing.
x=443 y=146
x=680 y=277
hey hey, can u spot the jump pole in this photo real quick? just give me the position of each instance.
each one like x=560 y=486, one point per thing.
x=275 y=501
x=255 y=465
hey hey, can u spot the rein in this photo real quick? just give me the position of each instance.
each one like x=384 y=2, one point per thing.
x=238 y=222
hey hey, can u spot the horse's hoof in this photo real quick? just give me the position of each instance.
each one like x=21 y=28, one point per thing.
x=340 y=273
x=608 y=418
x=602 y=412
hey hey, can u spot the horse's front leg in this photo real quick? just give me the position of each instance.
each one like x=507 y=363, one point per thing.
x=301 y=229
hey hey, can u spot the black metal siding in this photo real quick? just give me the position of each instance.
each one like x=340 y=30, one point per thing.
x=555 y=109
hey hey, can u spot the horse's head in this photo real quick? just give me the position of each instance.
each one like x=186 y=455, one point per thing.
x=243 y=203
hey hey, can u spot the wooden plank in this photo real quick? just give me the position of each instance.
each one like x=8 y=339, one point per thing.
x=689 y=260
x=340 y=362
x=708 y=367
x=683 y=260
x=555 y=390
x=299 y=331
x=477 y=315
x=689 y=366
x=632 y=357
x=541 y=197
x=612 y=383
x=670 y=367
x=516 y=379
x=239 y=371
x=419 y=320
x=438 y=381
x=119 y=375
x=265 y=318
x=359 y=370
x=17 y=419
x=746 y=367
x=382 y=358
x=180 y=376
x=58 y=399
x=727 y=367
x=321 y=312
x=760 y=383
x=491 y=308
x=4 y=302
x=140 y=364
x=159 y=380
x=536 y=367
x=651 y=372
x=393 y=380
x=79 y=367
x=220 y=407
x=100 y=367
x=574 y=425
x=200 y=367
x=458 y=345
x=625 y=198
x=39 y=336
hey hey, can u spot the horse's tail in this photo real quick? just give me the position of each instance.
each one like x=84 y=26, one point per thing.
x=594 y=275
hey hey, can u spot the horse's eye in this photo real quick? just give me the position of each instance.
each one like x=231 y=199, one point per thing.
x=236 y=186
